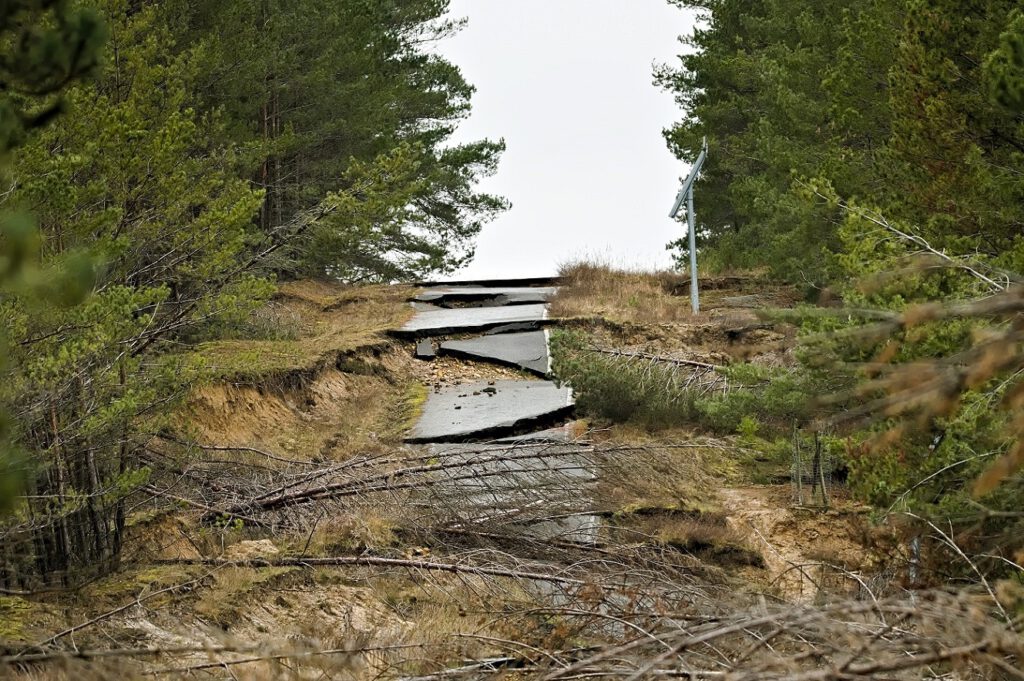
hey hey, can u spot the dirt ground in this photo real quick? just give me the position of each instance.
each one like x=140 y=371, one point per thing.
x=333 y=395
x=807 y=551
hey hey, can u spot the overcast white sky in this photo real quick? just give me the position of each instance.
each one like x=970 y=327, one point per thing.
x=568 y=84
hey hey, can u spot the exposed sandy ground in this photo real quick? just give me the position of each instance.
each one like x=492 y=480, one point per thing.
x=805 y=550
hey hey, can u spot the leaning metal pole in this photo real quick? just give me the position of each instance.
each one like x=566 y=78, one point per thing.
x=686 y=194
x=691 y=220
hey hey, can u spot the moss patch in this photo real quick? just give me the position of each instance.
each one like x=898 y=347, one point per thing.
x=409 y=409
x=131 y=582
x=15 y=613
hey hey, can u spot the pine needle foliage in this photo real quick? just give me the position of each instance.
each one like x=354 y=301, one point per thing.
x=203 y=151
x=874 y=151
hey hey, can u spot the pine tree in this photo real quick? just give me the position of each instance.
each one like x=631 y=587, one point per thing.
x=217 y=143
x=1005 y=66
x=883 y=142
x=133 y=176
x=755 y=86
x=319 y=93
x=46 y=45
x=953 y=158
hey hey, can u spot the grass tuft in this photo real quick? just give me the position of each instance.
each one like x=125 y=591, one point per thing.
x=324 y=321
x=595 y=287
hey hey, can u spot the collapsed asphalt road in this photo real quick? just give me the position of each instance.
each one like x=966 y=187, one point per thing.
x=507 y=326
x=502 y=430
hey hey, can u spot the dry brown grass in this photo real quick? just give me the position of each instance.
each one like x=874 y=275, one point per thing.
x=232 y=590
x=338 y=387
x=677 y=472
x=328 y=319
x=593 y=288
x=709 y=538
x=366 y=528
x=665 y=492
x=448 y=618
x=332 y=417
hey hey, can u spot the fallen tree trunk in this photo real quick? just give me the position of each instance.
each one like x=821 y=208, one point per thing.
x=658 y=358
x=386 y=480
x=365 y=561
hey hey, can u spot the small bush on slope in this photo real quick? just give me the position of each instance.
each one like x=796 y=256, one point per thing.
x=660 y=395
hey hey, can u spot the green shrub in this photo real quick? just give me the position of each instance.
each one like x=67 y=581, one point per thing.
x=774 y=398
x=621 y=389
x=662 y=395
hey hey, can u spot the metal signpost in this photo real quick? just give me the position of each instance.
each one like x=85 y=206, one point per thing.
x=686 y=194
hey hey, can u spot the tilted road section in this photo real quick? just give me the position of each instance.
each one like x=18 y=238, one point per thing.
x=484 y=409
x=534 y=483
x=524 y=350
x=504 y=326
x=441 y=321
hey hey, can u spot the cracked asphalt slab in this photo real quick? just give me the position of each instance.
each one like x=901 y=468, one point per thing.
x=525 y=350
x=496 y=483
x=507 y=324
x=447 y=321
x=490 y=408
x=486 y=296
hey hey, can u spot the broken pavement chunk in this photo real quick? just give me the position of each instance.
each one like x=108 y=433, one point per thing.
x=444 y=321
x=485 y=296
x=522 y=350
x=513 y=405
x=425 y=349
